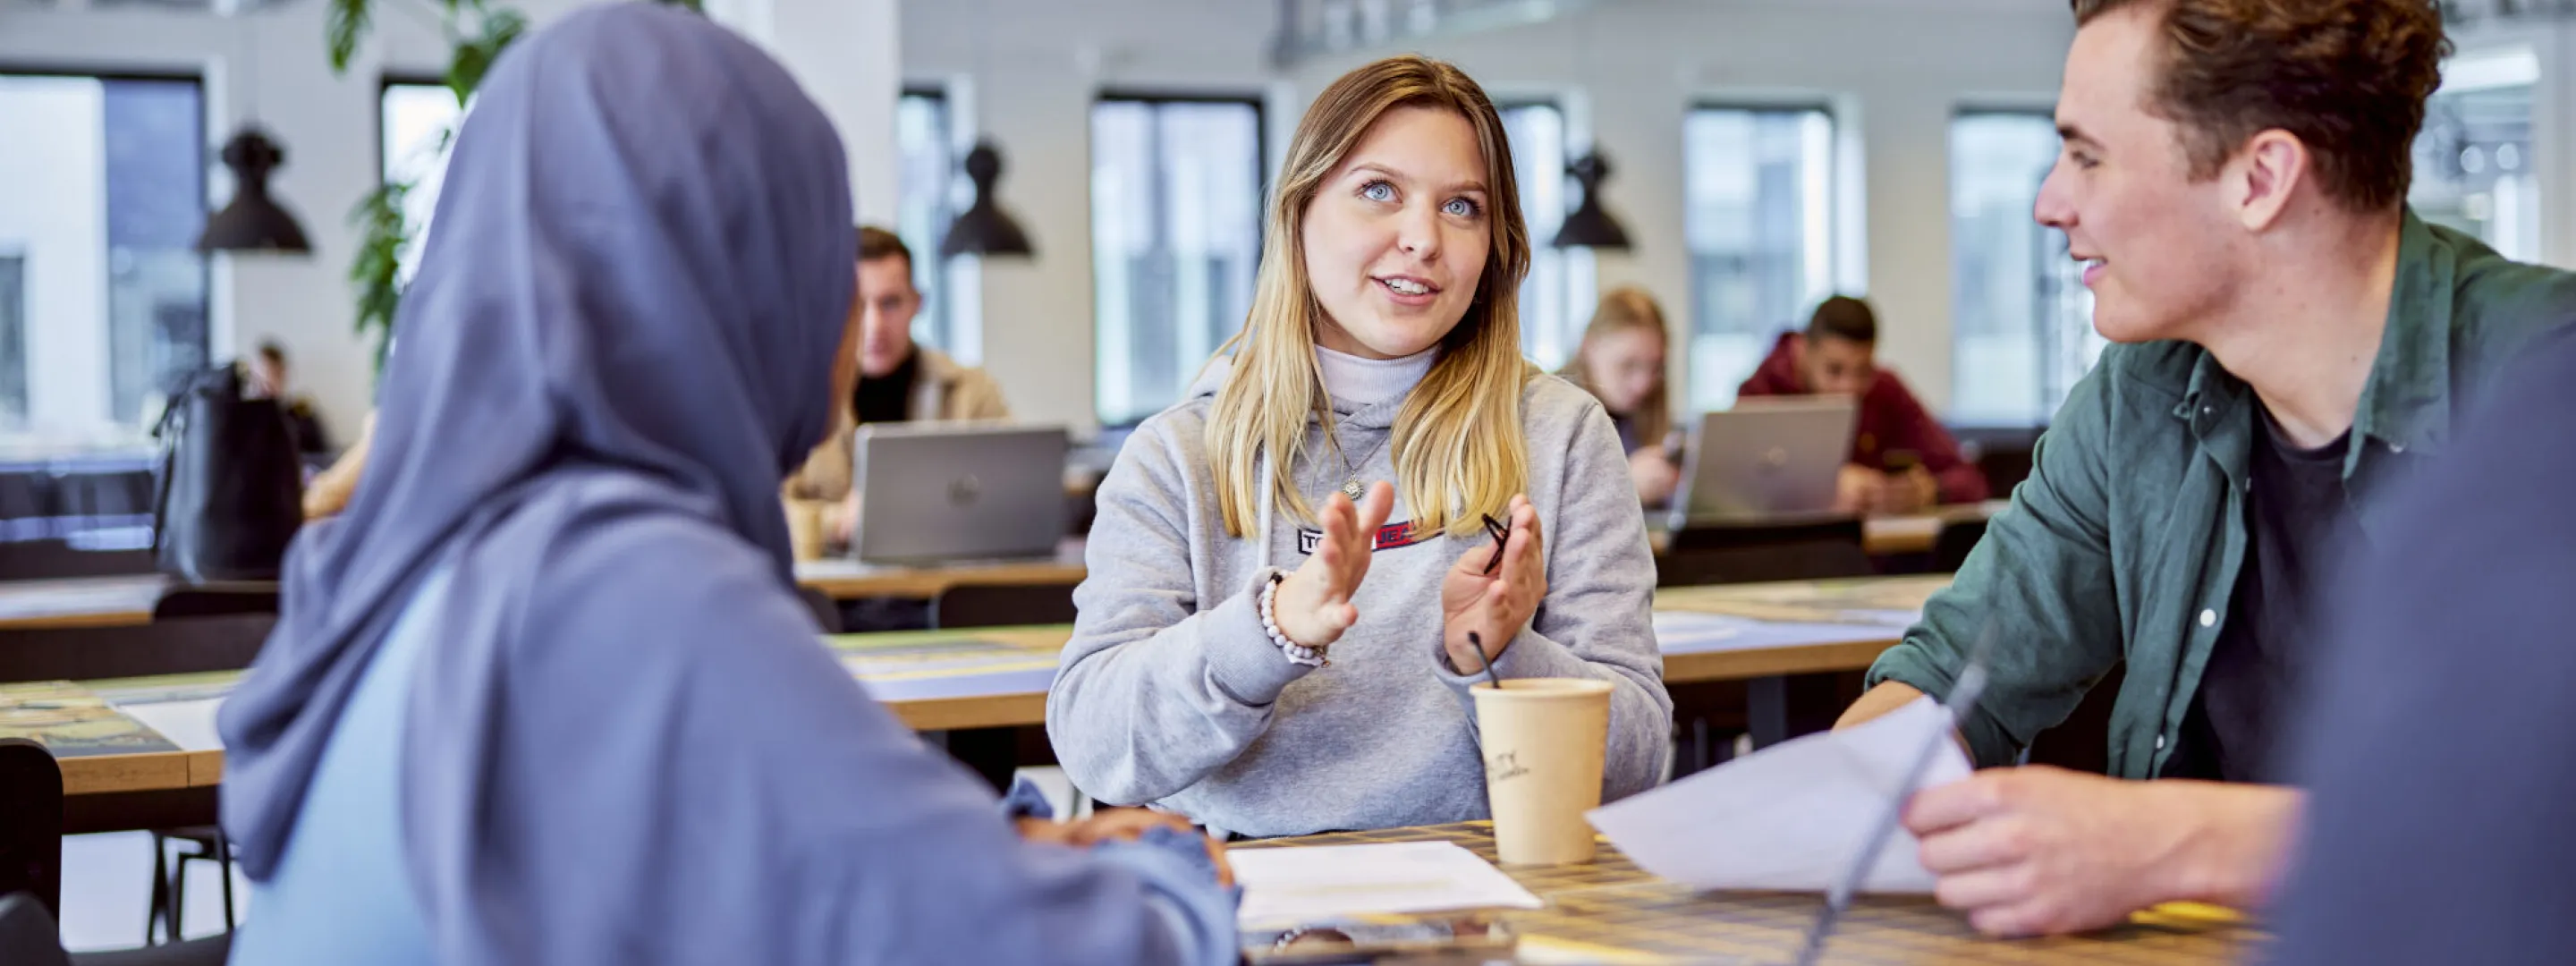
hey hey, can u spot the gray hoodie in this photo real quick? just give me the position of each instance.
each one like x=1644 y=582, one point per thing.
x=1171 y=693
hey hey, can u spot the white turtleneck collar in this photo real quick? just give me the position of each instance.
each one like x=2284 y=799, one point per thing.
x=1367 y=382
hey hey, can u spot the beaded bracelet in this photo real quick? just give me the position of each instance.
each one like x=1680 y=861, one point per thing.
x=1295 y=652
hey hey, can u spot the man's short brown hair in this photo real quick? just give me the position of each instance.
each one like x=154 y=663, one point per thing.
x=2348 y=77
x=876 y=243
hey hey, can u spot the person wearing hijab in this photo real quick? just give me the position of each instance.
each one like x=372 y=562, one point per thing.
x=544 y=692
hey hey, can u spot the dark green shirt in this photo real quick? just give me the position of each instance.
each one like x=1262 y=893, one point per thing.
x=2126 y=540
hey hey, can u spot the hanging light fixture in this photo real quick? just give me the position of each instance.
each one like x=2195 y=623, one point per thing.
x=1588 y=225
x=984 y=228
x=252 y=221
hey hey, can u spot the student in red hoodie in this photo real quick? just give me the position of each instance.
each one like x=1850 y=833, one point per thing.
x=1901 y=458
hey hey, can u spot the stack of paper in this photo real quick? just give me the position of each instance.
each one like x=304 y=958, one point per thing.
x=1328 y=881
x=1793 y=816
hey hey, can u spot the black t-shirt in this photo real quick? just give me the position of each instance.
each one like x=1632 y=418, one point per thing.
x=887 y=399
x=2297 y=522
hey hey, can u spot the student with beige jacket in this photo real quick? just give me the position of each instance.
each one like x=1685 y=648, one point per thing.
x=899 y=381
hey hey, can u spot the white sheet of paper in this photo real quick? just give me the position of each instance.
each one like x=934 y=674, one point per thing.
x=188 y=724
x=1296 y=885
x=1793 y=816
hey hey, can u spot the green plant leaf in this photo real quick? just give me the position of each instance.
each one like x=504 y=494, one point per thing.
x=474 y=56
x=376 y=272
x=343 y=28
x=693 y=6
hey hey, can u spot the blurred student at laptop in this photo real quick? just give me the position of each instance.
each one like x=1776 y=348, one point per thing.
x=1901 y=458
x=899 y=381
x=1621 y=363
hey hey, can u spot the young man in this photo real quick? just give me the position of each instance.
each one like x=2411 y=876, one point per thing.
x=2294 y=340
x=269 y=378
x=899 y=380
x=1901 y=459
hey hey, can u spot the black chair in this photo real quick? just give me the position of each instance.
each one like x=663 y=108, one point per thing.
x=827 y=612
x=200 y=843
x=1733 y=553
x=1950 y=549
x=215 y=600
x=1002 y=605
x=28 y=936
x=998 y=753
x=31 y=824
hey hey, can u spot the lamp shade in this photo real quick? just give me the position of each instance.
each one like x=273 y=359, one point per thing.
x=983 y=228
x=252 y=221
x=1588 y=225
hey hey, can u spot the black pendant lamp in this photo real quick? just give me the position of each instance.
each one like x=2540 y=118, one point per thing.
x=983 y=228
x=253 y=221
x=1588 y=226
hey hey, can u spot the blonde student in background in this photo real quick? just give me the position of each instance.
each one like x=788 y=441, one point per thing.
x=1621 y=362
x=1295 y=573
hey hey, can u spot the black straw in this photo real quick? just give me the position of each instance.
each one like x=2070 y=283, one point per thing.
x=1479 y=644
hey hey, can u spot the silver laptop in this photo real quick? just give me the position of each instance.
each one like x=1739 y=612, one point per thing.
x=1768 y=458
x=934 y=492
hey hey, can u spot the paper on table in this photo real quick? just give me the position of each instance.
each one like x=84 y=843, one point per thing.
x=188 y=724
x=1293 y=885
x=1793 y=816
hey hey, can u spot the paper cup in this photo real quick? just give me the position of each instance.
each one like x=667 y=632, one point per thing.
x=805 y=529
x=1543 y=738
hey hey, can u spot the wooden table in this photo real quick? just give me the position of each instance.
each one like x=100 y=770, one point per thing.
x=79 y=602
x=145 y=734
x=1610 y=911
x=127 y=601
x=1885 y=536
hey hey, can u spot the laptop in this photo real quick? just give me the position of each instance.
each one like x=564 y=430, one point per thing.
x=942 y=492
x=1769 y=458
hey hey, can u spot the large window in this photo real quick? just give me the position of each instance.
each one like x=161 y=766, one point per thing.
x=103 y=297
x=1556 y=299
x=1175 y=237
x=2473 y=161
x=933 y=192
x=2021 y=318
x=1759 y=217
x=417 y=121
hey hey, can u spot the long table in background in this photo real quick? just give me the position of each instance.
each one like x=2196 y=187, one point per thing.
x=1610 y=911
x=157 y=734
x=127 y=601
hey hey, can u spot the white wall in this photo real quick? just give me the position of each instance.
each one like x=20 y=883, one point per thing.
x=1894 y=69
x=270 y=64
x=56 y=218
x=1897 y=67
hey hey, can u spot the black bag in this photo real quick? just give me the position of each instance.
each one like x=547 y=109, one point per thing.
x=232 y=492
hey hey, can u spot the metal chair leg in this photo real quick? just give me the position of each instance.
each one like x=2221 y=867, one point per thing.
x=158 y=908
x=224 y=867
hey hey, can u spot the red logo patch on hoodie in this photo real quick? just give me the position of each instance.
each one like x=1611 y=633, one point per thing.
x=1389 y=537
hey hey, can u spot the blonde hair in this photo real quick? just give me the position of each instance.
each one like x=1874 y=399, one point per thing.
x=1458 y=446
x=1622 y=310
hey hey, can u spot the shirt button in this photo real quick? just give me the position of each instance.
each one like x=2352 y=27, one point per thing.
x=2397 y=447
x=2160 y=742
x=2208 y=618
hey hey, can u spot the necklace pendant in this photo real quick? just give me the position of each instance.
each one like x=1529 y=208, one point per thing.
x=1352 y=488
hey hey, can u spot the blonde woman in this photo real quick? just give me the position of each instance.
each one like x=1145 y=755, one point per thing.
x=1621 y=362
x=1259 y=647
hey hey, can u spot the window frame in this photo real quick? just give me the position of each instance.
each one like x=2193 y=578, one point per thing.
x=1835 y=194
x=209 y=156
x=1156 y=97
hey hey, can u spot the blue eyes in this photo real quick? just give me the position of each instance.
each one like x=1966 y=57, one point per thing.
x=1383 y=193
